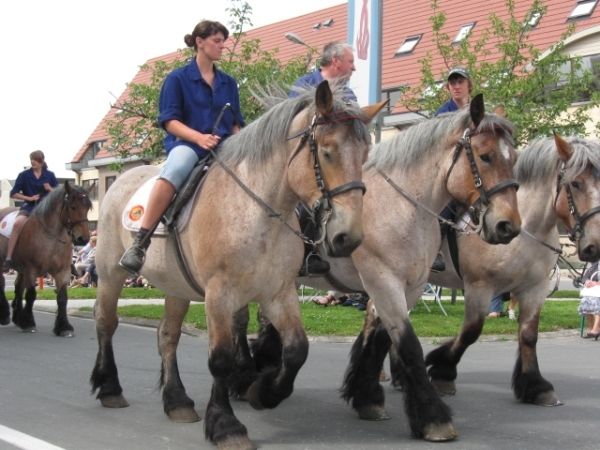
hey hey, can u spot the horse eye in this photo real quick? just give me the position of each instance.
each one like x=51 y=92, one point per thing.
x=486 y=158
x=575 y=184
x=327 y=156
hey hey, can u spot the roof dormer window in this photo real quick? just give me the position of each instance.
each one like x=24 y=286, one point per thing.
x=463 y=32
x=317 y=26
x=408 y=45
x=328 y=23
x=583 y=8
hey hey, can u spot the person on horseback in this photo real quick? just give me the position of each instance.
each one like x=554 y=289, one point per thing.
x=190 y=101
x=31 y=186
x=459 y=84
x=337 y=64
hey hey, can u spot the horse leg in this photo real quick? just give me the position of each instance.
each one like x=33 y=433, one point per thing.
x=273 y=386
x=177 y=405
x=62 y=327
x=245 y=372
x=528 y=384
x=443 y=361
x=220 y=424
x=429 y=417
x=17 y=303
x=105 y=377
x=361 y=380
x=4 y=306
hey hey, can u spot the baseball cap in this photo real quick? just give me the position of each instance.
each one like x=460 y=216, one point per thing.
x=459 y=71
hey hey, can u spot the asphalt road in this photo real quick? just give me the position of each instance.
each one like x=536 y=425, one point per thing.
x=46 y=395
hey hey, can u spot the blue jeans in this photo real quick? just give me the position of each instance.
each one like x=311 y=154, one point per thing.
x=180 y=162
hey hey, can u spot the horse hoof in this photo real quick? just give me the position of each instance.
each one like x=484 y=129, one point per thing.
x=5 y=321
x=254 y=399
x=67 y=333
x=29 y=330
x=184 y=415
x=236 y=443
x=373 y=412
x=547 y=399
x=114 y=401
x=444 y=387
x=397 y=385
x=440 y=432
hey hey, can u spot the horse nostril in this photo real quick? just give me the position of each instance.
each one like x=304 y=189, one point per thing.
x=505 y=231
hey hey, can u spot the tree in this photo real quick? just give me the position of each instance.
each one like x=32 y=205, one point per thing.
x=537 y=92
x=135 y=125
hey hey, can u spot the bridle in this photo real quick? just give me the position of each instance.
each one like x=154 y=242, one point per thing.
x=484 y=196
x=322 y=208
x=70 y=225
x=580 y=220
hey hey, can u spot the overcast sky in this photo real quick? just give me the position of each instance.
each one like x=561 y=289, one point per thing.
x=61 y=60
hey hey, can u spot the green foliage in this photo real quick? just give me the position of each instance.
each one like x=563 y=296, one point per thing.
x=135 y=128
x=537 y=92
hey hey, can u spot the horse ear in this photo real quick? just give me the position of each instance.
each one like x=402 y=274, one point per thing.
x=562 y=147
x=324 y=98
x=371 y=111
x=67 y=187
x=477 y=109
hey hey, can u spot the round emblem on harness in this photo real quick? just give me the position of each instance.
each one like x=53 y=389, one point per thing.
x=3 y=225
x=136 y=213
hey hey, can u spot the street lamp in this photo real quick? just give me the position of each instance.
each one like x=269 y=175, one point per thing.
x=293 y=37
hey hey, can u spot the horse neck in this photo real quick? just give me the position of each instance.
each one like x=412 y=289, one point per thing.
x=536 y=206
x=268 y=183
x=425 y=180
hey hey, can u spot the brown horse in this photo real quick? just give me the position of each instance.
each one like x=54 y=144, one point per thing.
x=239 y=250
x=45 y=245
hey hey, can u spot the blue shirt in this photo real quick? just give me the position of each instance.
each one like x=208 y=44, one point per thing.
x=28 y=185
x=449 y=106
x=313 y=80
x=185 y=96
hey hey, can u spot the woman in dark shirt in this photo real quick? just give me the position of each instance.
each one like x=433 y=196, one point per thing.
x=31 y=186
x=190 y=101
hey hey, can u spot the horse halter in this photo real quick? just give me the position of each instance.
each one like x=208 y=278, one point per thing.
x=322 y=206
x=483 y=200
x=580 y=220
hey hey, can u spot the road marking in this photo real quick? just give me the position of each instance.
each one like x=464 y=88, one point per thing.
x=24 y=441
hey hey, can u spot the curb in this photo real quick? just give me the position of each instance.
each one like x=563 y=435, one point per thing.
x=191 y=331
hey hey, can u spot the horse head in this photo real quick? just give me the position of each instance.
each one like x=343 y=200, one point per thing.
x=74 y=212
x=482 y=180
x=327 y=175
x=577 y=199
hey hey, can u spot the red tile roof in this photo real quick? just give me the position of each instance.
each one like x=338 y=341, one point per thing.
x=401 y=19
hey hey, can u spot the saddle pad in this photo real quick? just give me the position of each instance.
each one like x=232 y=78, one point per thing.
x=7 y=223
x=136 y=206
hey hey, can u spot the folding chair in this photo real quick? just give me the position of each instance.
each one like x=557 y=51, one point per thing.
x=433 y=292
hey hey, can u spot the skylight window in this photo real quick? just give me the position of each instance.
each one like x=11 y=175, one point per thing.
x=583 y=8
x=409 y=45
x=317 y=26
x=328 y=23
x=464 y=31
x=533 y=19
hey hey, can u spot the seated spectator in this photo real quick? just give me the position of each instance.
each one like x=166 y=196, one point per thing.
x=136 y=281
x=90 y=277
x=87 y=258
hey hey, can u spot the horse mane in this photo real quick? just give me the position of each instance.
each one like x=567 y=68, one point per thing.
x=47 y=206
x=256 y=142
x=539 y=161
x=415 y=143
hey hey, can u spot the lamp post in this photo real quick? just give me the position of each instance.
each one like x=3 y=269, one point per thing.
x=293 y=37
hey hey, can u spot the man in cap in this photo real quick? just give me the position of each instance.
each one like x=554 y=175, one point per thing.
x=459 y=85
